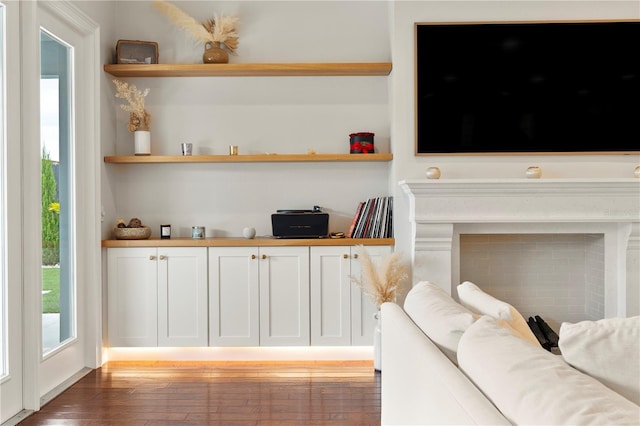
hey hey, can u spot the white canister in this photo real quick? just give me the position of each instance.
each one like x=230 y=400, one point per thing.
x=142 y=142
x=197 y=232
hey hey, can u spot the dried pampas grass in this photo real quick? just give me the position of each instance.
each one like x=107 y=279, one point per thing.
x=182 y=20
x=223 y=29
x=220 y=29
x=139 y=118
x=381 y=284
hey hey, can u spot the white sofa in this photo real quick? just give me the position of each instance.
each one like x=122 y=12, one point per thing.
x=501 y=379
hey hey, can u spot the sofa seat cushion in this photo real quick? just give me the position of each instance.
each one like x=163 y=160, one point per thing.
x=475 y=299
x=608 y=350
x=529 y=385
x=439 y=316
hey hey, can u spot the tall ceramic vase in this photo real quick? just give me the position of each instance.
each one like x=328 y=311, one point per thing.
x=142 y=142
x=377 y=343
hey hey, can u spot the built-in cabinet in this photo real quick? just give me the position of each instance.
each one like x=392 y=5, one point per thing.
x=157 y=296
x=259 y=296
x=234 y=296
x=341 y=314
x=272 y=295
x=363 y=321
x=238 y=296
x=284 y=296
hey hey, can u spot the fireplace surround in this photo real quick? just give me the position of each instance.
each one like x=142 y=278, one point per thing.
x=607 y=210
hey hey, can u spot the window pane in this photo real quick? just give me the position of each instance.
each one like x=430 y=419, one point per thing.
x=58 y=291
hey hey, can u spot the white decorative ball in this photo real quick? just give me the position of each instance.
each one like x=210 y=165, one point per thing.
x=249 y=233
x=534 y=172
x=433 y=173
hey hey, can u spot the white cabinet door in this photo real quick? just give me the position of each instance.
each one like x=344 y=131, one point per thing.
x=363 y=322
x=182 y=296
x=233 y=296
x=132 y=297
x=331 y=296
x=284 y=296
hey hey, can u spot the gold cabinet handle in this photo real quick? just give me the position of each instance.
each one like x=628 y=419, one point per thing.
x=253 y=256
x=162 y=257
x=355 y=256
x=264 y=256
x=152 y=258
x=346 y=256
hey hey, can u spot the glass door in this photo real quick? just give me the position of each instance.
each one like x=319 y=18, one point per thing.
x=50 y=306
x=61 y=170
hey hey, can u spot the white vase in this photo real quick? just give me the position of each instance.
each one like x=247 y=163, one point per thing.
x=142 y=142
x=377 y=343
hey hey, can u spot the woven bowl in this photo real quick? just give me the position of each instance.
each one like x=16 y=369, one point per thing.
x=132 y=233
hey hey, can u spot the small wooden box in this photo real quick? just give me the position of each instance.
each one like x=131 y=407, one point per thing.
x=136 y=52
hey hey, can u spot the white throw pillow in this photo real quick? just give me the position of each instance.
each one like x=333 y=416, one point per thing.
x=530 y=385
x=608 y=350
x=475 y=299
x=440 y=317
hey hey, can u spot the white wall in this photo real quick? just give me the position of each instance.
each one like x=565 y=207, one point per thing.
x=259 y=114
x=104 y=13
x=408 y=166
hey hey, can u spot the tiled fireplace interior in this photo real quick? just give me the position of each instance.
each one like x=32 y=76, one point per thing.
x=559 y=277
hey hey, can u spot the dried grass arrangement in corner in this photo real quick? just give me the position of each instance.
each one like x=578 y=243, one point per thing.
x=380 y=283
x=139 y=118
x=219 y=29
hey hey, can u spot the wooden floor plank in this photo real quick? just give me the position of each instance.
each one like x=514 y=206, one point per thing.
x=210 y=393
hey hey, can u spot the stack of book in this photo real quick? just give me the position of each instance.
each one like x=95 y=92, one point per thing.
x=373 y=219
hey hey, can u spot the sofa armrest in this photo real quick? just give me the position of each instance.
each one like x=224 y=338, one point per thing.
x=420 y=385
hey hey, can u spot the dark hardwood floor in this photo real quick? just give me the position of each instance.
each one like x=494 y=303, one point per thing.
x=219 y=393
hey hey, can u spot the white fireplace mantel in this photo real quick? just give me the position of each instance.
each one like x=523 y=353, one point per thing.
x=440 y=210
x=524 y=200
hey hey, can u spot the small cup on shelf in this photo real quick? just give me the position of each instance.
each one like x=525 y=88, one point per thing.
x=186 y=148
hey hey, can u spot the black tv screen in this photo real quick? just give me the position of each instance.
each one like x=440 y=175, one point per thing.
x=540 y=87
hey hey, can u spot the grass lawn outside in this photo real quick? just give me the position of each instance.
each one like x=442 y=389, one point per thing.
x=50 y=290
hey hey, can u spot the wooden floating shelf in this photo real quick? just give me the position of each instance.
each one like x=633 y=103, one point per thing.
x=244 y=70
x=244 y=242
x=258 y=158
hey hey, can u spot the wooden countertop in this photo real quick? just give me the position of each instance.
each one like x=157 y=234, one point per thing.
x=244 y=242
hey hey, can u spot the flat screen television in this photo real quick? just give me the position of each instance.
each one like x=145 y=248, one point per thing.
x=528 y=87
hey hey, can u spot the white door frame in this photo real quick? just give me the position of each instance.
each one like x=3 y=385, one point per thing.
x=40 y=383
x=11 y=387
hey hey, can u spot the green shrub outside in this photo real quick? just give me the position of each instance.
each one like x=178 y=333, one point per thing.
x=50 y=239
x=50 y=218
